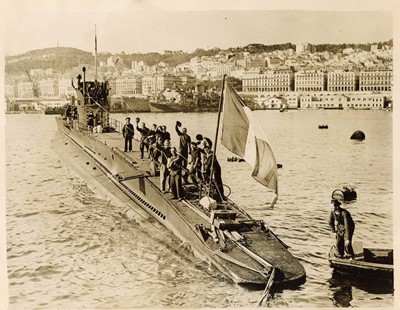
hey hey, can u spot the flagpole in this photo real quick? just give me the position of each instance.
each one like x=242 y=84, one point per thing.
x=95 y=53
x=221 y=100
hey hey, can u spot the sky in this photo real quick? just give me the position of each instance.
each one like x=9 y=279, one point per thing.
x=155 y=26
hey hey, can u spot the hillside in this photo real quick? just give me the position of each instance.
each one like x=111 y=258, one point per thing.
x=62 y=59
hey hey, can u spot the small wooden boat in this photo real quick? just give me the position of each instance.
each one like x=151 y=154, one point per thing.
x=370 y=263
x=323 y=126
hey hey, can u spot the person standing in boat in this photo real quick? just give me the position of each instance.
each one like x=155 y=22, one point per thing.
x=343 y=230
x=175 y=173
x=128 y=132
x=216 y=174
x=144 y=132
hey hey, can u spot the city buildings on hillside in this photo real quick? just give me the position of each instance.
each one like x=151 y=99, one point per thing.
x=300 y=78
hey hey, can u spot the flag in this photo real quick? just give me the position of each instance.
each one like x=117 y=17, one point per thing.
x=243 y=136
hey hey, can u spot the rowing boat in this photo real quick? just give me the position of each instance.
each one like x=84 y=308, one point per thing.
x=368 y=263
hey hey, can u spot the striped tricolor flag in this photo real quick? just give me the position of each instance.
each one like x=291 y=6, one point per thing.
x=243 y=136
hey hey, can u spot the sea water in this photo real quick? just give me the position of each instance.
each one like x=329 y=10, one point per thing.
x=68 y=247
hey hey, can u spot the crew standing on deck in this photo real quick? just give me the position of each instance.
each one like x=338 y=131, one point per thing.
x=144 y=132
x=152 y=138
x=90 y=121
x=163 y=133
x=164 y=155
x=184 y=143
x=212 y=164
x=128 y=132
x=195 y=164
x=175 y=172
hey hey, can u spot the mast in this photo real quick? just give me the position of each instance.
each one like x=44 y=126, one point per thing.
x=95 y=53
x=221 y=99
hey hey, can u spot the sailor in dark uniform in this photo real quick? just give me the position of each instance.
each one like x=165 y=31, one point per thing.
x=184 y=143
x=344 y=229
x=144 y=132
x=128 y=132
x=216 y=174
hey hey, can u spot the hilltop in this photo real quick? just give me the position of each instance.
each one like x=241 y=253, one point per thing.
x=62 y=59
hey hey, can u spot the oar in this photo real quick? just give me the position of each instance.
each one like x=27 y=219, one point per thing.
x=267 y=289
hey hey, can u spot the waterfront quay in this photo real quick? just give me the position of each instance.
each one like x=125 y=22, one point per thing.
x=356 y=100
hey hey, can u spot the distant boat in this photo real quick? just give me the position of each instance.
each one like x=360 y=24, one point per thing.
x=54 y=111
x=123 y=104
x=171 y=107
x=323 y=126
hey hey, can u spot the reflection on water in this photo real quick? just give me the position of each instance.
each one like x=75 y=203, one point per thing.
x=342 y=285
x=69 y=248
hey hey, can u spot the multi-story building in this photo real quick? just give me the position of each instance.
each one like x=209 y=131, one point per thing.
x=147 y=85
x=10 y=91
x=208 y=62
x=185 y=79
x=165 y=81
x=273 y=62
x=152 y=85
x=309 y=80
x=273 y=81
x=25 y=90
x=376 y=80
x=362 y=101
x=49 y=88
x=112 y=85
x=128 y=86
x=341 y=81
x=222 y=69
x=65 y=88
x=323 y=101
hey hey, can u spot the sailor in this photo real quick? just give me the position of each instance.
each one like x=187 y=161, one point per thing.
x=216 y=168
x=90 y=121
x=175 y=171
x=195 y=164
x=152 y=137
x=343 y=231
x=128 y=132
x=144 y=132
x=184 y=143
x=68 y=114
x=163 y=133
x=165 y=153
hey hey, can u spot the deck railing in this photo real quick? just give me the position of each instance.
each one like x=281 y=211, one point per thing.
x=117 y=125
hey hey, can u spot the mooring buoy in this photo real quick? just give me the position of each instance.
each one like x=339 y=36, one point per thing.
x=358 y=135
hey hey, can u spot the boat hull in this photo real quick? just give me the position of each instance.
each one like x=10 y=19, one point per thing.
x=364 y=265
x=171 y=108
x=126 y=177
x=123 y=104
x=54 y=111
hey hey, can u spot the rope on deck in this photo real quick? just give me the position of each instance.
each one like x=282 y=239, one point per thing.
x=267 y=289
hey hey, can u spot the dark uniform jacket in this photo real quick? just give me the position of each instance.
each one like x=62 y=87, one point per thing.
x=128 y=130
x=344 y=223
